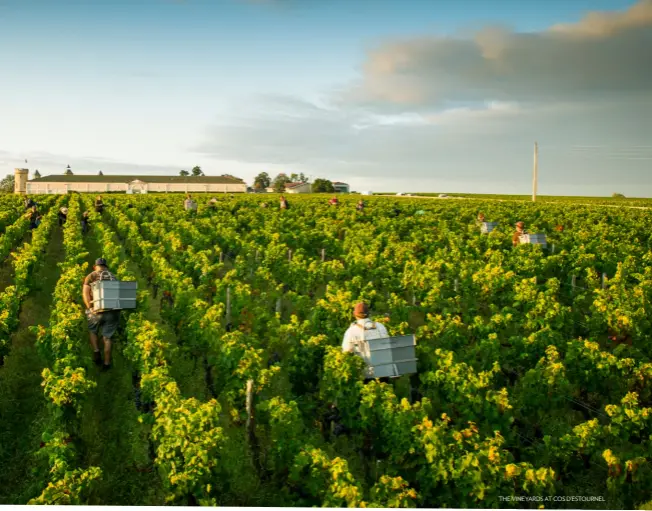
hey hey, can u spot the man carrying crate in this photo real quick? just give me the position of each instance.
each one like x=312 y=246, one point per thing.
x=363 y=328
x=108 y=321
x=520 y=231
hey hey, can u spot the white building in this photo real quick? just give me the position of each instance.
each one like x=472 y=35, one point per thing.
x=129 y=184
x=293 y=188
x=340 y=187
x=298 y=188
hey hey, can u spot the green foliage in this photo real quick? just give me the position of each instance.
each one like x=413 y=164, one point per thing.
x=322 y=186
x=7 y=184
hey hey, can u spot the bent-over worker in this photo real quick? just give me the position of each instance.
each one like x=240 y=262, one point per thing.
x=360 y=205
x=85 y=222
x=33 y=216
x=284 y=203
x=63 y=216
x=333 y=201
x=108 y=321
x=99 y=204
x=520 y=231
x=362 y=329
x=481 y=218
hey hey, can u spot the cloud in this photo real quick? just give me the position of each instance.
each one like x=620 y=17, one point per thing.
x=464 y=112
x=603 y=54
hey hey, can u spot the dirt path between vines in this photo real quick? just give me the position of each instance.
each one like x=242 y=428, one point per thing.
x=22 y=404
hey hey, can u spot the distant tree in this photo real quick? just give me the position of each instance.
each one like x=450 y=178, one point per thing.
x=322 y=186
x=197 y=171
x=302 y=178
x=262 y=181
x=280 y=181
x=68 y=172
x=100 y=173
x=184 y=173
x=618 y=196
x=294 y=177
x=37 y=174
x=7 y=184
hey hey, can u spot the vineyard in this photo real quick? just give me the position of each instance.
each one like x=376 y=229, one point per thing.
x=229 y=386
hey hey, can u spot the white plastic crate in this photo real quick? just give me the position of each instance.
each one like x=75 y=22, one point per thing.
x=388 y=357
x=487 y=227
x=534 y=239
x=113 y=295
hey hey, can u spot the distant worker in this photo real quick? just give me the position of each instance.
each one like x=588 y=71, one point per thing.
x=360 y=205
x=99 y=204
x=520 y=231
x=362 y=329
x=33 y=216
x=189 y=204
x=284 y=203
x=29 y=203
x=108 y=321
x=333 y=201
x=85 y=222
x=63 y=216
x=213 y=203
x=263 y=205
x=481 y=218
x=559 y=228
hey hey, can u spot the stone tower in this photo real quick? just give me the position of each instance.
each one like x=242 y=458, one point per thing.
x=20 y=181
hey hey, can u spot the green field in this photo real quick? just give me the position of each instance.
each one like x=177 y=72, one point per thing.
x=534 y=363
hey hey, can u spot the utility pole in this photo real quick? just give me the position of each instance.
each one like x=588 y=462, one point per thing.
x=535 y=172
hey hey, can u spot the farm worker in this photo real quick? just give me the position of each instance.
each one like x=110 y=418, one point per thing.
x=363 y=328
x=520 y=231
x=481 y=218
x=33 y=216
x=213 y=202
x=360 y=205
x=99 y=204
x=29 y=203
x=263 y=205
x=333 y=201
x=63 y=216
x=188 y=203
x=85 y=222
x=559 y=228
x=108 y=321
x=284 y=203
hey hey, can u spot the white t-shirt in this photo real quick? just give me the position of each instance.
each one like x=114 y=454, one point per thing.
x=356 y=332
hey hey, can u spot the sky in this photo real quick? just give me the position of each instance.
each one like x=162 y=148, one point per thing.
x=386 y=95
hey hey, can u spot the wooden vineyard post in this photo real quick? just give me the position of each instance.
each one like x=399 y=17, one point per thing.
x=228 y=305
x=323 y=255
x=604 y=280
x=278 y=305
x=456 y=285
x=251 y=426
x=573 y=279
x=553 y=248
x=221 y=257
x=290 y=255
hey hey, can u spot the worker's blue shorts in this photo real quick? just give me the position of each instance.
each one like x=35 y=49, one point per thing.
x=108 y=321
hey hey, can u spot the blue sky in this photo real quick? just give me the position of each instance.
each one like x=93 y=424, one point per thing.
x=384 y=94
